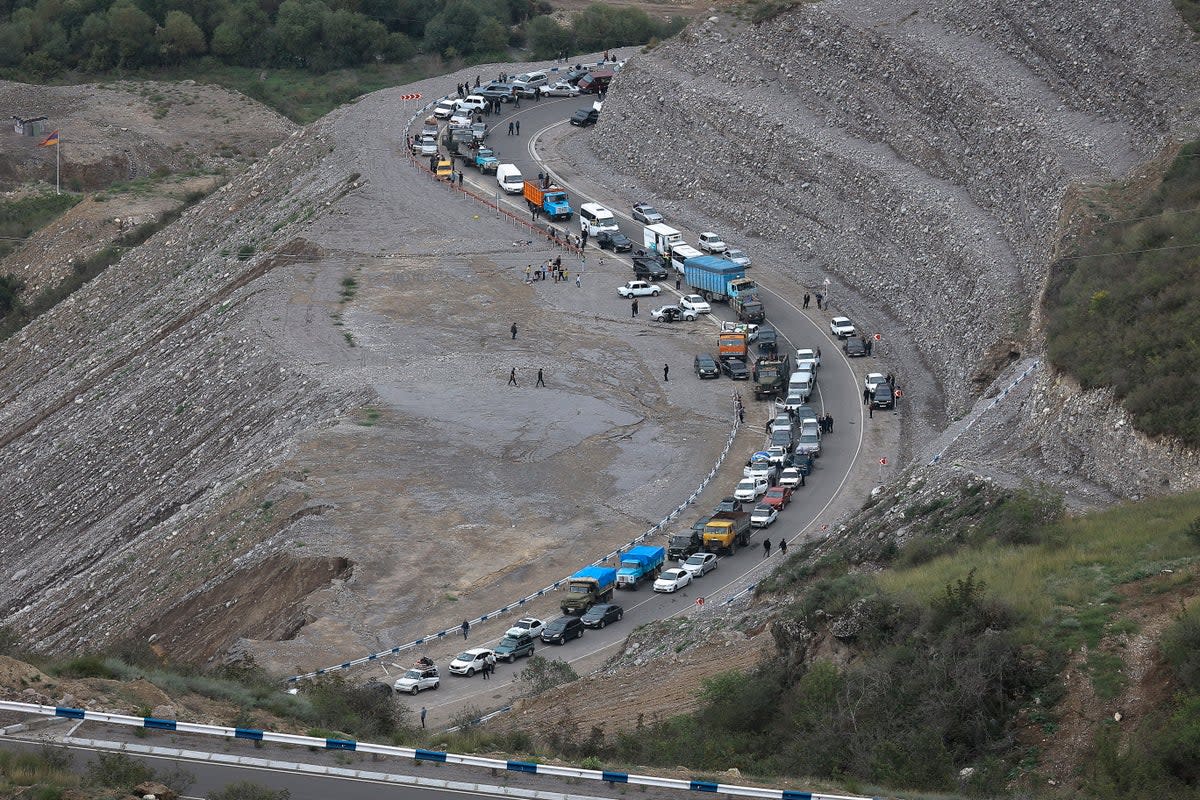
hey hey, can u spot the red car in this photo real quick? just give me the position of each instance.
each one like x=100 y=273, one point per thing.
x=778 y=496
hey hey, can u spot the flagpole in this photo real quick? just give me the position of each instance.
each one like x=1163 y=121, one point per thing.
x=57 y=167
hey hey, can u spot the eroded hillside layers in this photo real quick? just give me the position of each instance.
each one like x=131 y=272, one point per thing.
x=135 y=411
x=915 y=153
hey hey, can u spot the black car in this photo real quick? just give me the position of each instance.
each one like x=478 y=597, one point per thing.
x=650 y=267
x=801 y=461
x=735 y=368
x=883 y=397
x=854 y=348
x=562 y=630
x=727 y=504
x=615 y=241
x=601 y=615
x=585 y=116
x=513 y=647
x=706 y=366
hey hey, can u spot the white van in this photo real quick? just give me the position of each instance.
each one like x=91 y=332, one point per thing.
x=681 y=253
x=594 y=218
x=510 y=178
x=800 y=384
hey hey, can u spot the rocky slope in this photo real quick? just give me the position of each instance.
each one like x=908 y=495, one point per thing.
x=916 y=154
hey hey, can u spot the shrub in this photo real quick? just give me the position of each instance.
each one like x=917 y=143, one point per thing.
x=118 y=771
x=86 y=666
x=1181 y=647
x=541 y=674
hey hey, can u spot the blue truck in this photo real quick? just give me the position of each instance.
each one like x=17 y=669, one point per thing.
x=550 y=199
x=716 y=278
x=638 y=564
x=586 y=588
x=486 y=160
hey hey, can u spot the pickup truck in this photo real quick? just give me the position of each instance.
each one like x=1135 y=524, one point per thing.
x=725 y=531
x=551 y=200
x=587 y=587
x=638 y=564
x=486 y=160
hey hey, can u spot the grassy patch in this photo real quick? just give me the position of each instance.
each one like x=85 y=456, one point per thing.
x=1190 y=11
x=1123 y=308
x=19 y=218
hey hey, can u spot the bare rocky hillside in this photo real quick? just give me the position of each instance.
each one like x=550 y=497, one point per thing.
x=917 y=154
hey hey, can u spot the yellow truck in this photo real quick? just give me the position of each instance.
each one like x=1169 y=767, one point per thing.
x=726 y=530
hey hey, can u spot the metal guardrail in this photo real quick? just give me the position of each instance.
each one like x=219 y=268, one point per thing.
x=516 y=604
x=419 y=754
x=995 y=402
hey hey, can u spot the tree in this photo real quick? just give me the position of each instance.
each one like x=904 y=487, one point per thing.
x=298 y=28
x=546 y=37
x=180 y=37
x=131 y=31
x=10 y=287
x=490 y=37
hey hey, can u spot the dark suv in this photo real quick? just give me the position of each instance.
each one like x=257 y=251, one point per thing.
x=585 y=116
x=562 y=630
x=883 y=397
x=706 y=366
x=513 y=647
x=648 y=268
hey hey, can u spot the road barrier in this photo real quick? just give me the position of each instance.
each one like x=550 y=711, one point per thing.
x=545 y=590
x=995 y=402
x=416 y=754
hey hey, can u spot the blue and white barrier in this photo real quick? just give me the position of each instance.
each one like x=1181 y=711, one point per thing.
x=516 y=604
x=418 y=754
x=995 y=402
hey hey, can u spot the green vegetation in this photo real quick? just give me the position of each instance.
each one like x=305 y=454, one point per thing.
x=1123 y=307
x=317 y=46
x=955 y=650
x=541 y=674
x=47 y=775
x=16 y=312
x=245 y=790
x=1190 y=11
x=19 y=218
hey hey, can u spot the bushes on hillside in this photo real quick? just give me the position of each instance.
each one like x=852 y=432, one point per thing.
x=1123 y=310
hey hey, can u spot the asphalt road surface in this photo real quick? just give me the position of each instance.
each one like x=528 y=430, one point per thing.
x=838 y=392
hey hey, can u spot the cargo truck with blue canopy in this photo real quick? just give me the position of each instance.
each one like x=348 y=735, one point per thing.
x=587 y=587
x=715 y=278
x=638 y=564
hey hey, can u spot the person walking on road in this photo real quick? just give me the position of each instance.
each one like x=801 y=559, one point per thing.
x=512 y=381
x=866 y=395
x=540 y=381
x=766 y=548
x=424 y=711
x=783 y=547
x=466 y=626
x=806 y=299
x=514 y=330
x=829 y=422
x=510 y=128
x=633 y=307
x=666 y=372
x=518 y=123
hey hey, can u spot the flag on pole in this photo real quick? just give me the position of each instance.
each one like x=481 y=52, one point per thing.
x=51 y=140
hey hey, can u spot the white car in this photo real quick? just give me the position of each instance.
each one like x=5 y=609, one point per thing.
x=791 y=478
x=473 y=102
x=698 y=564
x=760 y=470
x=560 y=89
x=763 y=515
x=841 y=327
x=748 y=328
x=711 y=243
x=462 y=116
x=639 y=289
x=418 y=679
x=672 y=580
x=809 y=444
x=426 y=146
x=751 y=489
x=807 y=359
x=672 y=313
x=777 y=454
x=471 y=661
x=874 y=380
x=794 y=401
x=738 y=257
x=694 y=302
x=530 y=625
x=445 y=108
